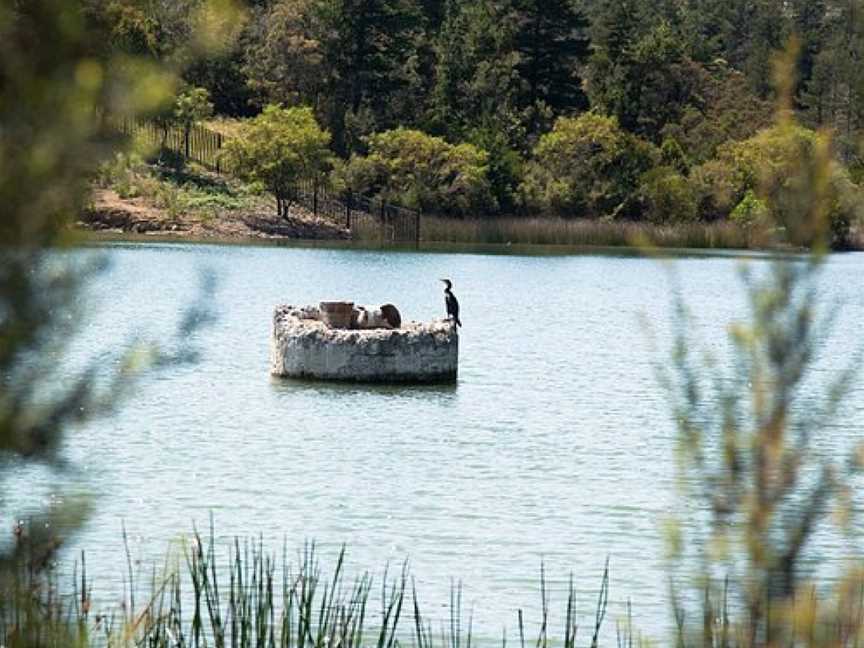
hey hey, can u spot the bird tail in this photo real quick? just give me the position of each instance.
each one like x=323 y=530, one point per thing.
x=458 y=323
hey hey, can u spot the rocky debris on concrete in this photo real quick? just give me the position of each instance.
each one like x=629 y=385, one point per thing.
x=304 y=347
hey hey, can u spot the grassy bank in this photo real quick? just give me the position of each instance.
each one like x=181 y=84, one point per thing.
x=178 y=188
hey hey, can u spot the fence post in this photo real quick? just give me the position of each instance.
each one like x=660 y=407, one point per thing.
x=417 y=230
x=348 y=211
x=218 y=149
x=315 y=197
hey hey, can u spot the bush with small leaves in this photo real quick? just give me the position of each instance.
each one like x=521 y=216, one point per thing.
x=587 y=166
x=667 y=197
x=420 y=171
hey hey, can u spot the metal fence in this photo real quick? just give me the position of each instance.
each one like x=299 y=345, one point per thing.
x=367 y=219
x=194 y=143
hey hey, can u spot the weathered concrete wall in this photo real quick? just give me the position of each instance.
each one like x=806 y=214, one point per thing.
x=304 y=347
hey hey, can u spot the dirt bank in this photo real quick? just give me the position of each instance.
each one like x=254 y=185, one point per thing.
x=109 y=212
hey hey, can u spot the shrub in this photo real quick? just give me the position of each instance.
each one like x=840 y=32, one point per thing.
x=420 y=171
x=672 y=155
x=278 y=148
x=667 y=197
x=750 y=211
x=587 y=166
x=715 y=189
x=764 y=175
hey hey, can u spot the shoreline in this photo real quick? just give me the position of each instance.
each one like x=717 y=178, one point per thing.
x=110 y=218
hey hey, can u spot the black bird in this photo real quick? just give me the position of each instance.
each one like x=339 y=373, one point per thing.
x=451 y=302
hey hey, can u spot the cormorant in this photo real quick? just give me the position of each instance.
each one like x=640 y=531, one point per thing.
x=451 y=302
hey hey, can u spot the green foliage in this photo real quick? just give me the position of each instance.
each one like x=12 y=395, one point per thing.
x=587 y=166
x=772 y=166
x=192 y=106
x=278 y=148
x=356 y=63
x=476 y=77
x=750 y=211
x=516 y=62
x=645 y=83
x=54 y=99
x=552 y=43
x=723 y=108
x=716 y=189
x=667 y=197
x=504 y=166
x=755 y=453
x=672 y=155
x=417 y=170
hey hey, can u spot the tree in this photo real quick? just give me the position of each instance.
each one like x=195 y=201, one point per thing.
x=191 y=107
x=645 y=82
x=54 y=100
x=356 y=62
x=476 y=76
x=754 y=454
x=666 y=197
x=767 y=165
x=587 y=166
x=833 y=97
x=808 y=18
x=417 y=170
x=279 y=148
x=286 y=56
x=703 y=29
x=722 y=108
x=222 y=74
x=551 y=39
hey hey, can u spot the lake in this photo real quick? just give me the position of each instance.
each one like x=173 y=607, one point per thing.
x=556 y=445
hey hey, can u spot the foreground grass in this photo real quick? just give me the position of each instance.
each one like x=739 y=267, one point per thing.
x=249 y=598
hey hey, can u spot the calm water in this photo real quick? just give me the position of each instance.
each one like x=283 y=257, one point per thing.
x=556 y=444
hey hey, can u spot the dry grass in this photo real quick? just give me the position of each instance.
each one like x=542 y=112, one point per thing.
x=591 y=233
x=227 y=126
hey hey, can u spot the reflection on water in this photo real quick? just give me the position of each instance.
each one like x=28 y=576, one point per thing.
x=291 y=387
x=556 y=444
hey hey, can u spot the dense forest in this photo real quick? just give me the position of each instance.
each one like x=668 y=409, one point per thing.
x=660 y=110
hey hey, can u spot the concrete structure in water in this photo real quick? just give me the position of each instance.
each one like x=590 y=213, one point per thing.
x=303 y=346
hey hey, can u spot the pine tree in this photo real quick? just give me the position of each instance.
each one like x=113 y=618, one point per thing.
x=552 y=43
x=808 y=17
x=476 y=74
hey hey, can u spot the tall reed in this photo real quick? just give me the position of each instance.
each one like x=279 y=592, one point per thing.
x=251 y=604
x=255 y=600
x=590 y=233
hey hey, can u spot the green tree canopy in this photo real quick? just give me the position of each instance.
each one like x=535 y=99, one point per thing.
x=278 y=148
x=417 y=170
x=587 y=166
